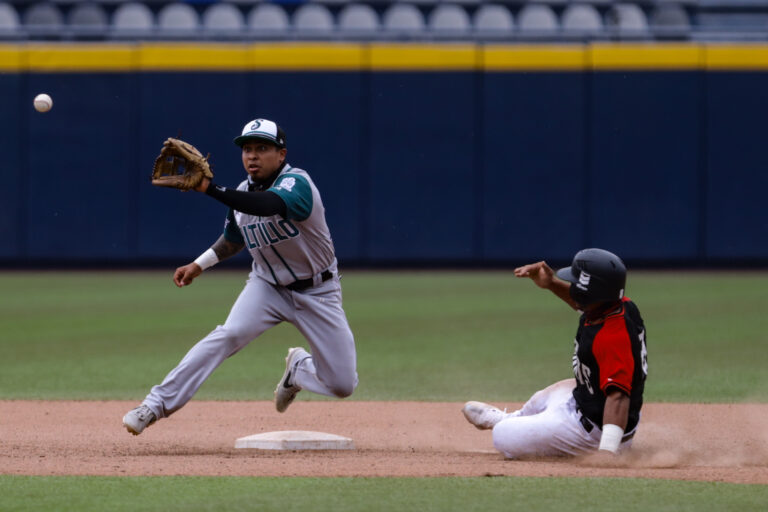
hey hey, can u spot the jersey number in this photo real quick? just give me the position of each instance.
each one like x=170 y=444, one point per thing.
x=643 y=352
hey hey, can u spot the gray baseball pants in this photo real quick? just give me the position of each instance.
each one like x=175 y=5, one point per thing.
x=317 y=312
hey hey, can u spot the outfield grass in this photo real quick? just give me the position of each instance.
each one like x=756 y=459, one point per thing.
x=169 y=494
x=420 y=335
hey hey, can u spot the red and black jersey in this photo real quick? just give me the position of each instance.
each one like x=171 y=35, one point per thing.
x=610 y=352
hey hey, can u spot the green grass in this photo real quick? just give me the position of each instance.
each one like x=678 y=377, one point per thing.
x=168 y=494
x=420 y=335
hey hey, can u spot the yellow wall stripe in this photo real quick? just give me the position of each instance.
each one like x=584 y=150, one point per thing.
x=11 y=57
x=737 y=57
x=77 y=57
x=192 y=57
x=646 y=56
x=123 y=57
x=423 y=57
x=306 y=57
x=534 y=58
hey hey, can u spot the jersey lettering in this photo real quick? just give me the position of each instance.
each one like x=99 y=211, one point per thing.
x=288 y=228
x=255 y=242
x=275 y=231
x=266 y=233
x=581 y=371
x=643 y=352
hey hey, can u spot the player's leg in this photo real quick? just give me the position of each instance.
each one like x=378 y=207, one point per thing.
x=331 y=369
x=549 y=425
x=485 y=416
x=255 y=310
x=540 y=400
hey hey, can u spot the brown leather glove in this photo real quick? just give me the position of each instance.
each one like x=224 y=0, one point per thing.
x=180 y=165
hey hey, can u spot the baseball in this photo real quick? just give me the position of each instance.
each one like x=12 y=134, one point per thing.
x=43 y=103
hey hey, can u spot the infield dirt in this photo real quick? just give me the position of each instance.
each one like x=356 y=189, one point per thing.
x=714 y=442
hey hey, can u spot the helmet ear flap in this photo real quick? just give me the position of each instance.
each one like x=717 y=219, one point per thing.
x=578 y=295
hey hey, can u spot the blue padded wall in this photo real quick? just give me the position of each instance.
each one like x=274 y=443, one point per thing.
x=81 y=198
x=414 y=167
x=12 y=169
x=644 y=182
x=422 y=165
x=534 y=162
x=737 y=166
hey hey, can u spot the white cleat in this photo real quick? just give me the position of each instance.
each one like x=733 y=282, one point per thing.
x=483 y=416
x=138 y=419
x=285 y=391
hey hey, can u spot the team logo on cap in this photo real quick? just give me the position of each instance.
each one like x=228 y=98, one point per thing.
x=583 y=283
x=255 y=125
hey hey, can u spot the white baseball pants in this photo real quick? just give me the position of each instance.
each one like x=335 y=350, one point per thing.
x=318 y=314
x=547 y=425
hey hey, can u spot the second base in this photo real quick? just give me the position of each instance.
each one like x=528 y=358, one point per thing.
x=295 y=440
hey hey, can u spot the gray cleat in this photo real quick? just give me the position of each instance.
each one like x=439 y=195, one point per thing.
x=285 y=391
x=138 y=419
x=483 y=416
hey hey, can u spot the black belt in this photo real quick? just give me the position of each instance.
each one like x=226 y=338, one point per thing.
x=303 y=284
x=588 y=426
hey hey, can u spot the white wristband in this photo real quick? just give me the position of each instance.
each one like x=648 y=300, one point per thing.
x=207 y=259
x=611 y=438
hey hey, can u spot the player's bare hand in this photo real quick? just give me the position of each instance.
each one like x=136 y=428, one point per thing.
x=203 y=186
x=186 y=274
x=540 y=273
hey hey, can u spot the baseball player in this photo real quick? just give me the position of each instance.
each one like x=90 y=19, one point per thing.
x=278 y=216
x=600 y=408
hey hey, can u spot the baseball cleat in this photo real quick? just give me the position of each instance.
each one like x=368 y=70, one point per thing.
x=481 y=415
x=138 y=419
x=285 y=391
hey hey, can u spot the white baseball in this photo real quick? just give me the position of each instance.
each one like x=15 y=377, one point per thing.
x=43 y=103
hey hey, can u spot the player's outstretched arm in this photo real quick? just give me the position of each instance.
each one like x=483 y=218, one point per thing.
x=222 y=249
x=544 y=277
x=263 y=204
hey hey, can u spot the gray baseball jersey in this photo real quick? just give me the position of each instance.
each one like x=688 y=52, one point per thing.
x=290 y=249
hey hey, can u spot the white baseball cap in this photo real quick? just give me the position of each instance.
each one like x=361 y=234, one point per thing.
x=263 y=129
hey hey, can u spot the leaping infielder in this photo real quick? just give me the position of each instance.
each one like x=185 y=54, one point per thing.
x=278 y=216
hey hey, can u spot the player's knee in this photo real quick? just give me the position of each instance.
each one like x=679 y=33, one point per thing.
x=343 y=390
x=340 y=381
x=508 y=440
x=344 y=387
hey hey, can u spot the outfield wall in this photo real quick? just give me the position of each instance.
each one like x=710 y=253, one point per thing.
x=423 y=153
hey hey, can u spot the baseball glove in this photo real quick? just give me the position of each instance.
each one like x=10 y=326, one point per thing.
x=180 y=165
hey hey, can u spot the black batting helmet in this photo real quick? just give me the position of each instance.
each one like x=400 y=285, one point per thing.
x=596 y=276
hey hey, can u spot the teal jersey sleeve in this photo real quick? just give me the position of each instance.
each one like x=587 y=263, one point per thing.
x=231 y=231
x=296 y=192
